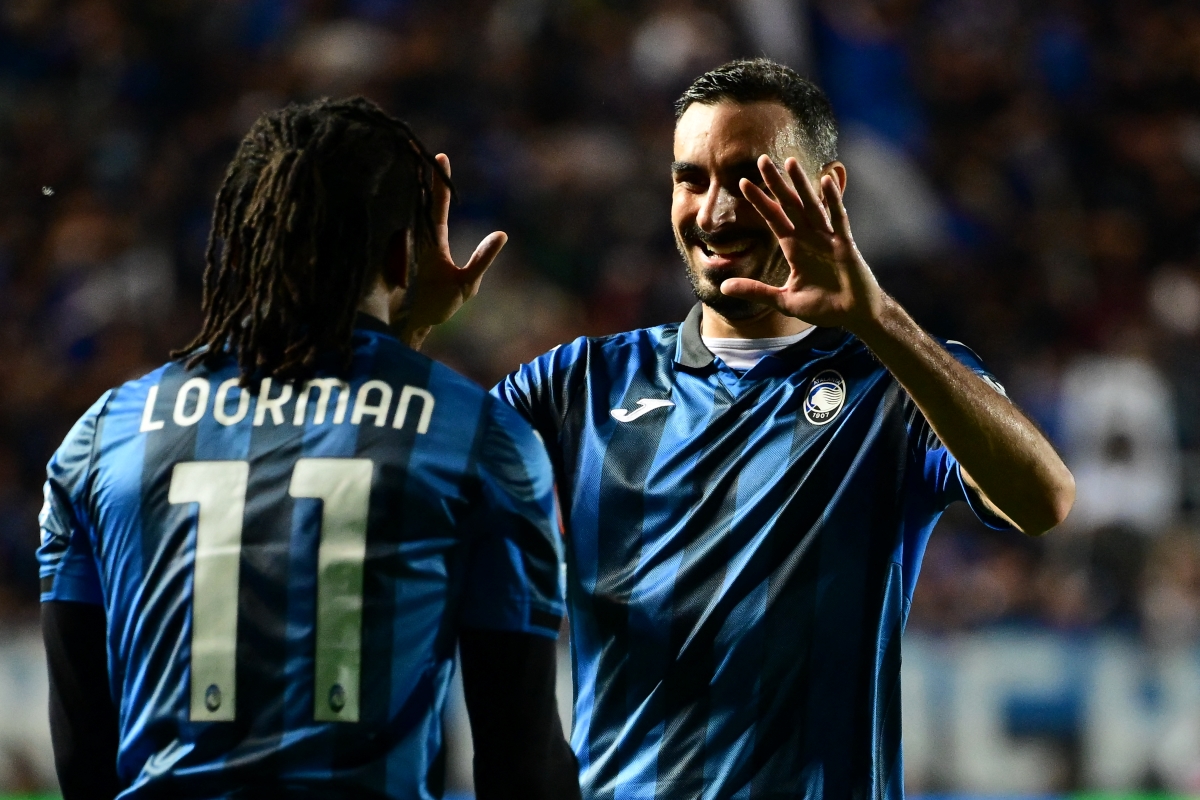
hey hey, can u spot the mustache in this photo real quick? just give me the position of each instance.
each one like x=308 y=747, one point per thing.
x=692 y=234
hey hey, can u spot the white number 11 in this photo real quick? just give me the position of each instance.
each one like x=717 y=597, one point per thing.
x=219 y=489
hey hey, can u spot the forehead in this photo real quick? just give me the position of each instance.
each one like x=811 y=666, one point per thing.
x=727 y=131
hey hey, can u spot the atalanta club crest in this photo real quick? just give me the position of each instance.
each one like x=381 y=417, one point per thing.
x=826 y=396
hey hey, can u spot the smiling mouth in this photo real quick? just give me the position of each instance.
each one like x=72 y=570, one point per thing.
x=729 y=250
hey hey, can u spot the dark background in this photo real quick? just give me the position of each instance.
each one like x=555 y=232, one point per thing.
x=1024 y=176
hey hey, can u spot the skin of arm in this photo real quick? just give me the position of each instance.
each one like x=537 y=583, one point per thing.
x=520 y=751
x=83 y=720
x=1002 y=454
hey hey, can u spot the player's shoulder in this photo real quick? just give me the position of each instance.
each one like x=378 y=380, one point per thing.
x=656 y=336
x=79 y=446
x=961 y=352
x=131 y=393
x=971 y=360
x=626 y=348
x=851 y=345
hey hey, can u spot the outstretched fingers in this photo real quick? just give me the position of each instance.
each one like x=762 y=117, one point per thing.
x=837 y=208
x=777 y=219
x=785 y=193
x=811 y=204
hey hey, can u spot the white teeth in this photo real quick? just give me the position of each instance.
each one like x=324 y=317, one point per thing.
x=729 y=249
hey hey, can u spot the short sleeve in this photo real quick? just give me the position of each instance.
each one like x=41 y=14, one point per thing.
x=941 y=472
x=514 y=572
x=66 y=561
x=540 y=391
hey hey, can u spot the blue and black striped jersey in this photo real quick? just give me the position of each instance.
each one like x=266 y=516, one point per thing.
x=285 y=572
x=742 y=551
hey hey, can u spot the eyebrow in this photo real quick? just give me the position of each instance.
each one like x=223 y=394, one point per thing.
x=742 y=169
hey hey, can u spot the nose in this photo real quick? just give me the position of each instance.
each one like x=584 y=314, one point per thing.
x=719 y=208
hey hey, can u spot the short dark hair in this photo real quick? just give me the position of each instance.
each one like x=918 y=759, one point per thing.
x=761 y=79
x=302 y=222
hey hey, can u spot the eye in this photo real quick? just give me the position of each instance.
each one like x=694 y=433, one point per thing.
x=691 y=181
x=754 y=177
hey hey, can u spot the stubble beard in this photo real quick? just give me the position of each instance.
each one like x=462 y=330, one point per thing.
x=707 y=287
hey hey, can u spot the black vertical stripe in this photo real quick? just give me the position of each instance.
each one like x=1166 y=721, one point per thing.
x=796 y=544
x=364 y=746
x=263 y=591
x=879 y=704
x=627 y=461
x=701 y=573
x=165 y=536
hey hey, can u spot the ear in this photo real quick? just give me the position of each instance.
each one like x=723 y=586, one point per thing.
x=838 y=170
x=396 y=270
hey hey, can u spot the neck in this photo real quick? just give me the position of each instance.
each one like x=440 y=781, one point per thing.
x=766 y=324
x=377 y=303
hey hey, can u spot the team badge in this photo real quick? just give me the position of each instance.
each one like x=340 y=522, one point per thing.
x=826 y=396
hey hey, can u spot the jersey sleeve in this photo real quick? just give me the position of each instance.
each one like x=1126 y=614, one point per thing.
x=540 y=391
x=941 y=471
x=514 y=573
x=67 y=565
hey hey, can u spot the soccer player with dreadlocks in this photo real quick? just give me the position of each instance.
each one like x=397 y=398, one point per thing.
x=257 y=560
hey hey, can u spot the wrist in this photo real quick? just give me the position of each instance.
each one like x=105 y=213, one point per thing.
x=882 y=318
x=411 y=333
x=415 y=337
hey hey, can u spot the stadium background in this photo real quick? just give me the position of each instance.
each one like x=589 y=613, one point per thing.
x=1024 y=176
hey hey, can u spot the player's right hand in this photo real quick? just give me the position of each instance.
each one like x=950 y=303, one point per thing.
x=441 y=287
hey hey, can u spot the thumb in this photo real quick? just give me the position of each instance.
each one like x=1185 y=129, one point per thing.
x=751 y=290
x=483 y=256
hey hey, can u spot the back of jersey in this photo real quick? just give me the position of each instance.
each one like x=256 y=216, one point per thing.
x=285 y=571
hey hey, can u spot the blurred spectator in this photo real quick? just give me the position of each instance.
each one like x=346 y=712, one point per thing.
x=1026 y=178
x=677 y=42
x=1121 y=443
x=1170 y=603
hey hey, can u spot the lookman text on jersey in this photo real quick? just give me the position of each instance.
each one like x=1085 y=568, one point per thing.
x=285 y=573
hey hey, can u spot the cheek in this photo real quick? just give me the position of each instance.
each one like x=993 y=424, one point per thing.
x=748 y=216
x=683 y=208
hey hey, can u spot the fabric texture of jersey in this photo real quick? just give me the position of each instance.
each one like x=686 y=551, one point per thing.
x=381 y=515
x=742 y=553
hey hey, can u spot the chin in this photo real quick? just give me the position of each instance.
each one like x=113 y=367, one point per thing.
x=708 y=291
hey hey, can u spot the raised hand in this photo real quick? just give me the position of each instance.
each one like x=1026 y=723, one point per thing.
x=830 y=284
x=441 y=287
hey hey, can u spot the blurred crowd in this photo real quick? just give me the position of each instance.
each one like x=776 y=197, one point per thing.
x=1024 y=177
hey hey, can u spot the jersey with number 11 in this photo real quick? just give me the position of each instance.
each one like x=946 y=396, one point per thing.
x=285 y=568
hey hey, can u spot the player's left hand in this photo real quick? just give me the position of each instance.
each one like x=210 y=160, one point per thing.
x=830 y=284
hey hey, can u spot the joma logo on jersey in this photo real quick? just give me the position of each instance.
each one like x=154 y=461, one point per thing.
x=644 y=407
x=825 y=398
x=232 y=403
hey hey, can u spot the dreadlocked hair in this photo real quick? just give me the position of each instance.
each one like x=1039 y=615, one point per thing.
x=302 y=222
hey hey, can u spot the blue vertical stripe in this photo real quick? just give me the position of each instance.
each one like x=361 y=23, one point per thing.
x=739 y=572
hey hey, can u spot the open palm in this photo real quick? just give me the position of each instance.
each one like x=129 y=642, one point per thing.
x=441 y=287
x=830 y=284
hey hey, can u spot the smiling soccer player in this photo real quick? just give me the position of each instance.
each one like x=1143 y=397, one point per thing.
x=748 y=494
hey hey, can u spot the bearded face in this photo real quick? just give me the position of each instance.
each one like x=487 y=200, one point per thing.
x=717 y=231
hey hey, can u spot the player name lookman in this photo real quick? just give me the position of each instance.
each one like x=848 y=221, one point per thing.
x=234 y=403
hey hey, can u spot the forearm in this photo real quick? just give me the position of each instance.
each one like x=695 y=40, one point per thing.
x=83 y=720
x=520 y=751
x=999 y=449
